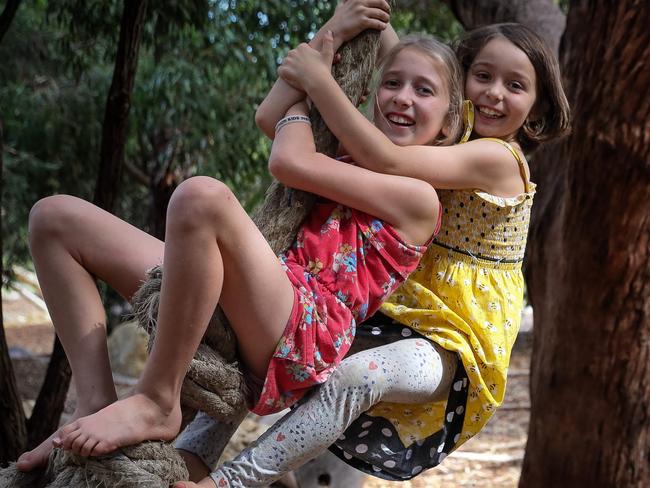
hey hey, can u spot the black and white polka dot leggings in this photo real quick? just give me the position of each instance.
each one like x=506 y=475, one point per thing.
x=406 y=371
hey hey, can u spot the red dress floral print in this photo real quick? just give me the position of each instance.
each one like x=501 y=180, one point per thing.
x=343 y=265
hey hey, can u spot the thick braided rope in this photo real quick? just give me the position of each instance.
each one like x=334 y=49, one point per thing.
x=131 y=467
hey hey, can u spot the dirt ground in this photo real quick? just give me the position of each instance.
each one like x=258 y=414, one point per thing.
x=491 y=460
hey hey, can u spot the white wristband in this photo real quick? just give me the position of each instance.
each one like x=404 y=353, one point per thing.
x=290 y=119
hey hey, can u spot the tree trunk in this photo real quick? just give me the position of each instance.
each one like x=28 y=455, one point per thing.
x=49 y=405
x=543 y=16
x=118 y=105
x=13 y=433
x=162 y=184
x=591 y=286
x=7 y=16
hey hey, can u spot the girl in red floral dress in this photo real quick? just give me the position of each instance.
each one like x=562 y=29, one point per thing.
x=294 y=317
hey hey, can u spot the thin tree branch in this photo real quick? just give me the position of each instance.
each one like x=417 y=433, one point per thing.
x=139 y=175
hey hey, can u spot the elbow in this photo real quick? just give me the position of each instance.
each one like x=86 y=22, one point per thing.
x=275 y=164
x=382 y=158
x=389 y=167
x=264 y=122
x=280 y=163
x=387 y=163
x=390 y=159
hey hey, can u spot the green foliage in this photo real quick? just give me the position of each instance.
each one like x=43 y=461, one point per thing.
x=20 y=170
x=51 y=124
x=204 y=66
x=563 y=4
x=432 y=17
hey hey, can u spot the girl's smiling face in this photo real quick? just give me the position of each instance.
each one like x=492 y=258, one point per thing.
x=412 y=100
x=502 y=84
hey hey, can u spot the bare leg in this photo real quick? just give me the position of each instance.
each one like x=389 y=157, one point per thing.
x=72 y=242
x=213 y=252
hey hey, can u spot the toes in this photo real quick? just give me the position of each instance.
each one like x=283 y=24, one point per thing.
x=26 y=461
x=25 y=457
x=34 y=458
x=78 y=443
x=67 y=430
x=64 y=437
x=67 y=441
x=87 y=447
x=103 y=447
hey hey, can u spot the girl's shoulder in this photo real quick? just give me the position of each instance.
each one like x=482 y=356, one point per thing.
x=491 y=152
x=492 y=147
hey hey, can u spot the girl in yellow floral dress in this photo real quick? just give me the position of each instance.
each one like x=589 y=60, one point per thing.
x=467 y=293
x=465 y=299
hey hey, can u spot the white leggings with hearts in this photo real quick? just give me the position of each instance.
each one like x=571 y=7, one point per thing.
x=406 y=371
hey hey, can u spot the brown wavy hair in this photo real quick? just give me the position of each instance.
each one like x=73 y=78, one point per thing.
x=550 y=117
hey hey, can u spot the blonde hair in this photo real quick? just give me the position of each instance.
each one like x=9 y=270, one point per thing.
x=453 y=76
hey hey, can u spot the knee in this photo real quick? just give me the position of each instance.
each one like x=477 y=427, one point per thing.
x=354 y=372
x=357 y=382
x=198 y=200
x=49 y=218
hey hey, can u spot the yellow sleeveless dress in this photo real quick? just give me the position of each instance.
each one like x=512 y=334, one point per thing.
x=467 y=296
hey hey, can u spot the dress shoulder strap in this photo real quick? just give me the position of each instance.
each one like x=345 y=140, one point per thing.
x=520 y=161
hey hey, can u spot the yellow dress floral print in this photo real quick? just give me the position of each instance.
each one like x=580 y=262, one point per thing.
x=467 y=296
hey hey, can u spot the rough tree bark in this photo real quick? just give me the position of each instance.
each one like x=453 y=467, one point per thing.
x=119 y=104
x=51 y=398
x=13 y=432
x=543 y=16
x=591 y=288
x=49 y=404
x=7 y=16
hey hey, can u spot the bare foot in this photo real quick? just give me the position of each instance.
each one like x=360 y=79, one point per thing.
x=130 y=421
x=204 y=483
x=38 y=456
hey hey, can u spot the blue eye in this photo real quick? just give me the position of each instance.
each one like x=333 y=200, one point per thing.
x=424 y=90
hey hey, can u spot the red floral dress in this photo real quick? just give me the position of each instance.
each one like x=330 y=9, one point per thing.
x=343 y=265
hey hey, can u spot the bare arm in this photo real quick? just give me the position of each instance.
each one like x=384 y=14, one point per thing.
x=349 y=19
x=409 y=205
x=478 y=164
x=387 y=40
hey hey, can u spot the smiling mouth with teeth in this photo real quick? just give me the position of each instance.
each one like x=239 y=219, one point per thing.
x=399 y=120
x=488 y=112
